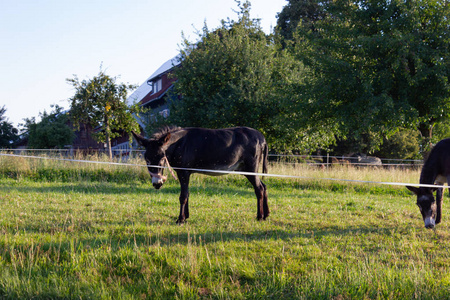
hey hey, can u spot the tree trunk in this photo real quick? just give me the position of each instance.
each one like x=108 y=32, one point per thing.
x=426 y=130
x=108 y=144
x=108 y=138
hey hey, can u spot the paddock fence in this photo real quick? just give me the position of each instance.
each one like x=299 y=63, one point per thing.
x=320 y=161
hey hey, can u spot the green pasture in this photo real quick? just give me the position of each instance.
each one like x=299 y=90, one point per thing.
x=70 y=231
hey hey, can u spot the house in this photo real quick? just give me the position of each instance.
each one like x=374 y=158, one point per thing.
x=153 y=95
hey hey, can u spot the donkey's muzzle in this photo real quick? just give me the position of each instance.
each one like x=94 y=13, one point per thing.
x=157 y=185
x=158 y=181
x=429 y=222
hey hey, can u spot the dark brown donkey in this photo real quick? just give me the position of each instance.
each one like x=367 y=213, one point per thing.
x=193 y=150
x=436 y=170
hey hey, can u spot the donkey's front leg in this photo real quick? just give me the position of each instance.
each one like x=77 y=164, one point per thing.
x=439 y=199
x=184 y=197
x=183 y=204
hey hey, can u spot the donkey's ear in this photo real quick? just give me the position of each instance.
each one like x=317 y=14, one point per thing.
x=164 y=139
x=140 y=139
x=413 y=189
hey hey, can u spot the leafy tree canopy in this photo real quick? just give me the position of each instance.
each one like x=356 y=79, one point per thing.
x=101 y=103
x=306 y=12
x=404 y=144
x=8 y=134
x=51 y=132
x=378 y=65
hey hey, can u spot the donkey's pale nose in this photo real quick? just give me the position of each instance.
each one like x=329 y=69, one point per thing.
x=429 y=222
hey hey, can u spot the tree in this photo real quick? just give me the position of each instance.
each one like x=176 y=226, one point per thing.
x=403 y=144
x=8 y=134
x=378 y=65
x=101 y=103
x=305 y=12
x=51 y=132
x=224 y=76
x=441 y=131
x=235 y=76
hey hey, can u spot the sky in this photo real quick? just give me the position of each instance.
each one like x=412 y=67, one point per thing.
x=45 y=42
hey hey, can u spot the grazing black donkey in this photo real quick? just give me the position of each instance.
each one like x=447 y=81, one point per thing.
x=192 y=150
x=436 y=170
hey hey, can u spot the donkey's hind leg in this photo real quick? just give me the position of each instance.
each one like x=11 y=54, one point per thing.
x=265 y=203
x=260 y=191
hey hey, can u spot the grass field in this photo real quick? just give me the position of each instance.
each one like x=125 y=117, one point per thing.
x=70 y=231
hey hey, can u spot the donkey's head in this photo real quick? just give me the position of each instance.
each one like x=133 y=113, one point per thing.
x=155 y=156
x=427 y=205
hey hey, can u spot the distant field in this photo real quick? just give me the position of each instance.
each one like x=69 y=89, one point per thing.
x=71 y=231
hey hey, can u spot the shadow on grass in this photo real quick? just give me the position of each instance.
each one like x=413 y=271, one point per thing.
x=121 y=238
x=113 y=188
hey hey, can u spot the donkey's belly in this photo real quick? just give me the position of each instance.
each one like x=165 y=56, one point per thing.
x=441 y=180
x=223 y=169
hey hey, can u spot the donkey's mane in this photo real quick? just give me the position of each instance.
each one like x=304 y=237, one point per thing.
x=162 y=131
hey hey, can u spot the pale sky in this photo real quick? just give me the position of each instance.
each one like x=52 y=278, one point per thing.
x=43 y=42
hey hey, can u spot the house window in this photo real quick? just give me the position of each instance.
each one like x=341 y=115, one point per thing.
x=157 y=85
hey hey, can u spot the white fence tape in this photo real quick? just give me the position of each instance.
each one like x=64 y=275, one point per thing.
x=226 y=172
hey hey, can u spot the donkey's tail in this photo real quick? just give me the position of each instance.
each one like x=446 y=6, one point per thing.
x=265 y=158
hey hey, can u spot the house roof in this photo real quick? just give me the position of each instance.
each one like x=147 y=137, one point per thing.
x=168 y=65
x=144 y=88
